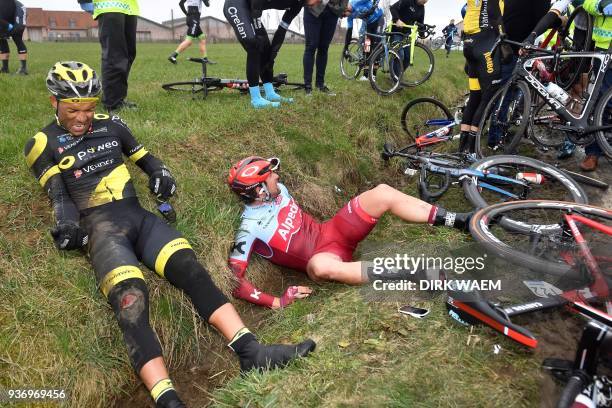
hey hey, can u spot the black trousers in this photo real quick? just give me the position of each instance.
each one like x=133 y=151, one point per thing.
x=319 y=32
x=117 y=33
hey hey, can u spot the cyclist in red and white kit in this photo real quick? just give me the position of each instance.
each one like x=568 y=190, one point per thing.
x=275 y=227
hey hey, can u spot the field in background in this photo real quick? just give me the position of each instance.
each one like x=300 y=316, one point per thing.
x=57 y=331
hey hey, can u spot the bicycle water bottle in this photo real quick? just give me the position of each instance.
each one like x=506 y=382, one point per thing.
x=366 y=45
x=535 y=178
x=557 y=92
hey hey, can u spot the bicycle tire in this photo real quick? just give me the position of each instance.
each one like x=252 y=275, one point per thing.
x=409 y=122
x=437 y=43
x=483 y=218
x=603 y=116
x=574 y=386
x=574 y=68
x=190 y=86
x=519 y=115
x=540 y=131
x=385 y=72
x=419 y=71
x=356 y=56
x=474 y=195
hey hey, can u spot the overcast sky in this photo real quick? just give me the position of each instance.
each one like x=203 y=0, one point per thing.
x=437 y=12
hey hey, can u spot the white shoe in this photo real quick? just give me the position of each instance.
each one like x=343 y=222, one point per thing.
x=364 y=78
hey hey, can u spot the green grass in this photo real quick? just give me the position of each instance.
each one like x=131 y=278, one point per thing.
x=56 y=329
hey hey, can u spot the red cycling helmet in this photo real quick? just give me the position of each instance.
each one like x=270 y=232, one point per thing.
x=250 y=173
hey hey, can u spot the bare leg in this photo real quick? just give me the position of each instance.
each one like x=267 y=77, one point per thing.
x=184 y=45
x=153 y=372
x=383 y=198
x=203 y=47
x=326 y=266
x=226 y=320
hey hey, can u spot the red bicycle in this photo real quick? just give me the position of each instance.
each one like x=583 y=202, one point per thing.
x=572 y=242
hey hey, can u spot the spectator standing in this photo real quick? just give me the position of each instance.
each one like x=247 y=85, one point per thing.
x=12 y=24
x=319 y=27
x=194 y=31
x=449 y=34
x=117 y=21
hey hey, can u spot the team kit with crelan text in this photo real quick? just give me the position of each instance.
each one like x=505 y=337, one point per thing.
x=78 y=161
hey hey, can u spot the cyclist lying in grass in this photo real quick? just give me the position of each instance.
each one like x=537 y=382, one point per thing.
x=275 y=227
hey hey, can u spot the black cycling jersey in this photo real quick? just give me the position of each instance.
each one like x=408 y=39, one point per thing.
x=87 y=171
x=483 y=15
x=408 y=11
x=88 y=183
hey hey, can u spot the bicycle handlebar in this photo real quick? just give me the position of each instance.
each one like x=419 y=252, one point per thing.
x=425 y=193
x=502 y=39
x=201 y=60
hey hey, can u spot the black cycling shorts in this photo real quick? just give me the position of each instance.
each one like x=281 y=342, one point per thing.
x=121 y=234
x=483 y=68
x=193 y=24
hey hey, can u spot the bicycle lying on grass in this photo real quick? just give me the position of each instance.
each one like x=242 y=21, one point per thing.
x=487 y=180
x=429 y=124
x=544 y=236
x=206 y=84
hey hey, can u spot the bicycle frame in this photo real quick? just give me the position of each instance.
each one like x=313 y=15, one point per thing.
x=445 y=168
x=576 y=300
x=576 y=124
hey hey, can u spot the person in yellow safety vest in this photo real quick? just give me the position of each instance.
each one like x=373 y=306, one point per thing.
x=601 y=10
x=117 y=21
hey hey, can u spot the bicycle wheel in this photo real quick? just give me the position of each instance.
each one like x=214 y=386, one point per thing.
x=190 y=86
x=437 y=42
x=603 y=116
x=542 y=130
x=424 y=115
x=554 y=184
x=576 y=36
x=385 y=70
x=420 y=68
x=538 y=239
x=350 y=63
x=504 y=120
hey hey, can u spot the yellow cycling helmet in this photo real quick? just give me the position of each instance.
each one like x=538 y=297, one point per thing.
x=73 y=81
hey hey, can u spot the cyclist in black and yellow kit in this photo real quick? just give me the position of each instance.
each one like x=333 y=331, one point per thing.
x=78 y=160
x=481 y=27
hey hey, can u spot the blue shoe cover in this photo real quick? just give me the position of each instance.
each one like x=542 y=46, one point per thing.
x=271 y=95
x=258 y=101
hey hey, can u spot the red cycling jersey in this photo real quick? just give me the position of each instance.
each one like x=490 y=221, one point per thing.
x=281 y=232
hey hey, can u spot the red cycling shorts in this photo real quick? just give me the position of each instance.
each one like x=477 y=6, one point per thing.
x=341 y=234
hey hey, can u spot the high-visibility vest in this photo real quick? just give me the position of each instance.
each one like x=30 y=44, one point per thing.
x=602 y=25
x=129 y=7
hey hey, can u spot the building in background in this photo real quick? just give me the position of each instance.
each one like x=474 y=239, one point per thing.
x=51 y=25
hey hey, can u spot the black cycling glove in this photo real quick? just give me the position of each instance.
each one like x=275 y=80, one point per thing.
x=69 y=235
x=162 y=184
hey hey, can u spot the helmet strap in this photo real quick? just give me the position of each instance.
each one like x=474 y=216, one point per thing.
x=268 y=196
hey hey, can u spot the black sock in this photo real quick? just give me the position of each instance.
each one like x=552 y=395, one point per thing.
x=24 y=64
x=441 y=216
x=5 y=65
x=241 y=340
x=463 y=141
x=167 y=398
